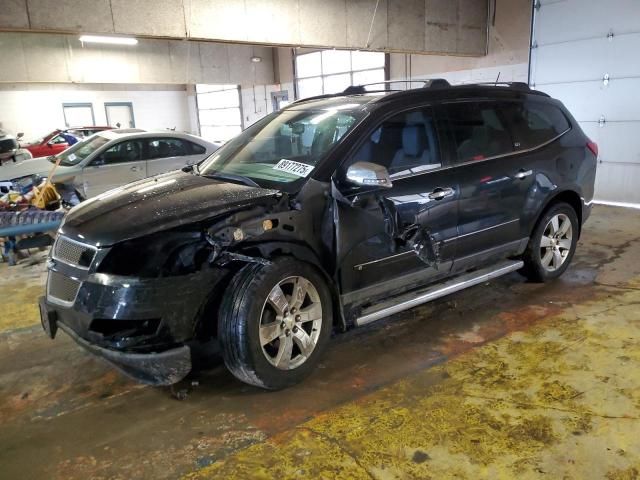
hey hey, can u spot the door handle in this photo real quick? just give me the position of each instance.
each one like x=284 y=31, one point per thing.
x=134 y=169
x=523 y=174
x=440 y=193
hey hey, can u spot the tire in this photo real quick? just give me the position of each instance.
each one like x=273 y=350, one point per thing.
x=550 y=251
x=252 y=312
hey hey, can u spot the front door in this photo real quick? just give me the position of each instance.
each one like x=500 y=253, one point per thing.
x=390 y=240
x=118 y=165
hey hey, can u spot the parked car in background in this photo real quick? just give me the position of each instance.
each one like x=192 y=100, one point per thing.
x=10 y=151
x=333 y=212
x=113 y=158
x=55 y=142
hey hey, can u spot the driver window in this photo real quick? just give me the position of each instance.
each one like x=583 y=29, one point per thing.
x=58 y=139
x=129 y=151
x=405 y=144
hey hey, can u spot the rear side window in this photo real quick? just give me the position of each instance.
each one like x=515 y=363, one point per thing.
x=196 y=149
x=167 y=147
x=534 y=123
x=478 y=130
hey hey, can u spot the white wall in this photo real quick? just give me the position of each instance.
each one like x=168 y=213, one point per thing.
x=37 y=108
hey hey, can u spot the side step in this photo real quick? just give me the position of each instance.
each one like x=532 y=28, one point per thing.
x=413 y=299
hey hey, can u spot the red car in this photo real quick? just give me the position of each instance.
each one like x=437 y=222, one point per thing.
x=55 y=142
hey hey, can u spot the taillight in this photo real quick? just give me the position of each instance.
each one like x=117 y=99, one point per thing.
x=593 y=146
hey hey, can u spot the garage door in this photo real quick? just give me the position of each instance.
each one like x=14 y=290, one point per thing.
x=587 y=54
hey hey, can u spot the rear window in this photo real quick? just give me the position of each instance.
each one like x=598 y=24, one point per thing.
x=478 y=130
x=534 y=123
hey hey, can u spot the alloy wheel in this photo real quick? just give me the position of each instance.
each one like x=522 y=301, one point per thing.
x=556 y=241
x=290 y=323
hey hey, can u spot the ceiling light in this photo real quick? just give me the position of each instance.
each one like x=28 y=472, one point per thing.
x=110 y=40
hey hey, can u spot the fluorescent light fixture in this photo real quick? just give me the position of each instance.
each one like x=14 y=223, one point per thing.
x=109 y=40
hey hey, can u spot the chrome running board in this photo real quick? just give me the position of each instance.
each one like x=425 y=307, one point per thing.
x=413 y=299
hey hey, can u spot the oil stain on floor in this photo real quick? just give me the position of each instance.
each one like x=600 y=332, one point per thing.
x=539 y=403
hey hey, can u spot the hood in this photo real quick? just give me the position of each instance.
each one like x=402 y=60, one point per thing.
x=155 y=204
x=33 y=166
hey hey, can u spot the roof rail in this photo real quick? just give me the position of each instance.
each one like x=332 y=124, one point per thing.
x=518 y=85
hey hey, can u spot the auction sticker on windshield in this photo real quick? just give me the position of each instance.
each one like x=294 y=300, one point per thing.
x=295 y=168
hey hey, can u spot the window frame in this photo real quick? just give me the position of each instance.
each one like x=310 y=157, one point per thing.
x=451 y=143
x=158 y=139
x=322 y=76
x=443 y=142
x=104 y=163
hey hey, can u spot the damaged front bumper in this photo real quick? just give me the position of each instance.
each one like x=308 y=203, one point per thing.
x=142 y=326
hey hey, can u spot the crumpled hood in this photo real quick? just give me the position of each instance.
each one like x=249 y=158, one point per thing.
x=155 y=204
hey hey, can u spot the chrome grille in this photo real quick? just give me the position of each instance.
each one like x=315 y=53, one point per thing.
x=73 y=253
x=62 y=288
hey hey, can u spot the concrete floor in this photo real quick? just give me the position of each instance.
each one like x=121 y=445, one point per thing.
x=504 y=380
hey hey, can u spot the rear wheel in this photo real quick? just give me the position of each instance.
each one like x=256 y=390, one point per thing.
x=552 y=244
x=274 y=323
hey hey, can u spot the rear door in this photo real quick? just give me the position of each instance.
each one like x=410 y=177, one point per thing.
x=118 y=165
x=167 y=153
x=493 y=179
x=392 y=239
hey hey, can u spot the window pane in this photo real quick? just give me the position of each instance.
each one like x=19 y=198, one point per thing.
x=533 y=124
x=370 y=76
x=309 y=87
x=130 y=151
x=366 y=60
x=405 y=144
x=225 y=116
x=219 y=134
x=308 y=65
x=165 y=148
x=221 y=99
x=336 y=83
x=336 y=61
x=478 y=131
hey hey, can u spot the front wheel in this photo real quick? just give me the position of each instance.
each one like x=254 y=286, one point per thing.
x=552 y=244
x=274 y=323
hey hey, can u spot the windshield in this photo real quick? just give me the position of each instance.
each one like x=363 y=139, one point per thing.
x=81 y=150
x=284 y=146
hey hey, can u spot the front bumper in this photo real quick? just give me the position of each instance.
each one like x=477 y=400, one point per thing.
x=107 y=310
x=164 y=368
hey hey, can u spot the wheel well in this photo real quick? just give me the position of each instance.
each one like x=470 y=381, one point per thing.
x=568 y=196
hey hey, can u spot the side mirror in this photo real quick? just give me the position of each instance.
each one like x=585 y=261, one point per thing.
x=20 y=135
x=50 y=144
x=97 y=162
x=367 y=174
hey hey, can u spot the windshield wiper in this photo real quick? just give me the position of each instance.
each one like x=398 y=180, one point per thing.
x=232 y=178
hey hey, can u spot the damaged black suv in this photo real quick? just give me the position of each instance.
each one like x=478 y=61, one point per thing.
x=331 y=213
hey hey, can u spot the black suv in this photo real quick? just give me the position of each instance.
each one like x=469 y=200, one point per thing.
x=331 y=213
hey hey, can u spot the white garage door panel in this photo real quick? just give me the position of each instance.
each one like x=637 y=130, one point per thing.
x=573 y=54
x=618 y=183
x=620 y=142
x=559 y=21
x=587 y=59
x=589 y=100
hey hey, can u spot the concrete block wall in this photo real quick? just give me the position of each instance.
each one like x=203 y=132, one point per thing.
x=434 y=26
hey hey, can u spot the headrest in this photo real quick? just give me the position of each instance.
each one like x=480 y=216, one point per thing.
x=413 y=140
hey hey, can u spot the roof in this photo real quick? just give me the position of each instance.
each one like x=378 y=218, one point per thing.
x=433 y=89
